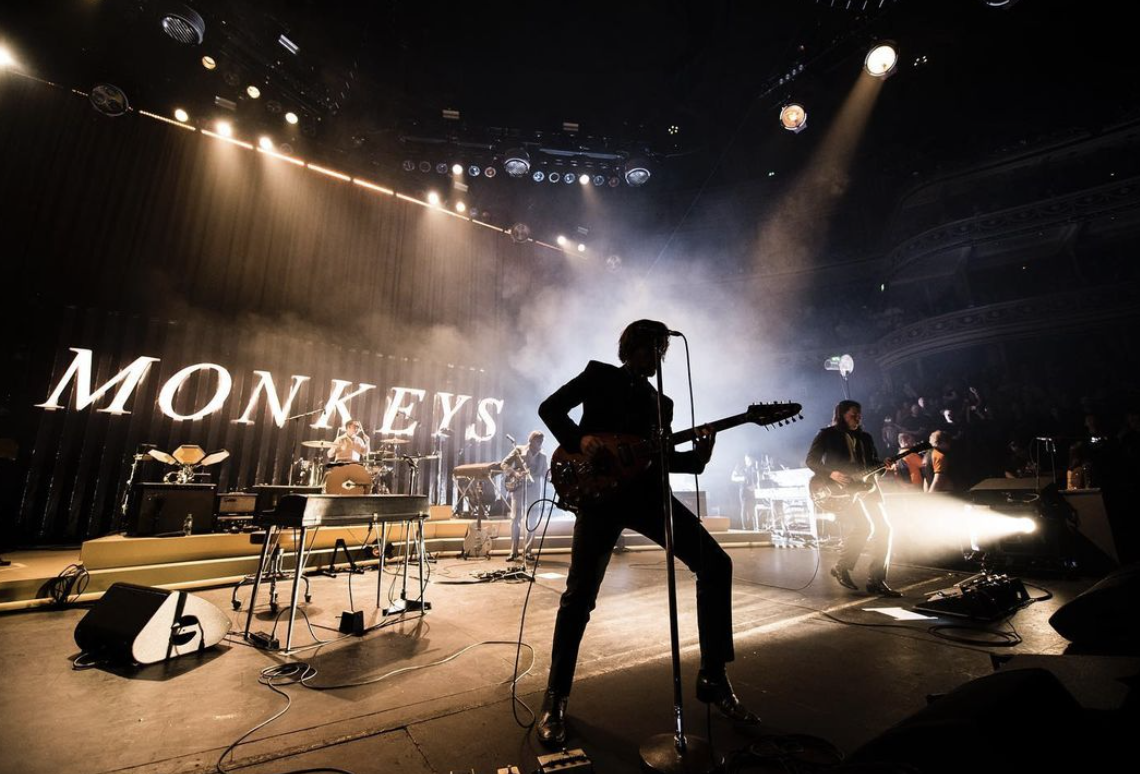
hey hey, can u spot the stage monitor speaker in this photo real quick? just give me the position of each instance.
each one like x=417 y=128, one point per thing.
x=145 y=625
x=1104 y=613
x=163 y=508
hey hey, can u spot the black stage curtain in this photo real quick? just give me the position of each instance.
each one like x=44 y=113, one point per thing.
x=131 y=237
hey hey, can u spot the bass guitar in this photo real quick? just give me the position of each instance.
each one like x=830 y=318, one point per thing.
x=582 y=480
x=827 y=493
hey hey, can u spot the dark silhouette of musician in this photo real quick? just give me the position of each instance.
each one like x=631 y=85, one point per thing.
x=843 y=452
x=621 y=400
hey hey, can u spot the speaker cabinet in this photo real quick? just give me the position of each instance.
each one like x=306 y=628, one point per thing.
x=145 y=625
x=163 y=508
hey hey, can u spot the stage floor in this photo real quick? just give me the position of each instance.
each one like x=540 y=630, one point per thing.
x=801 y=671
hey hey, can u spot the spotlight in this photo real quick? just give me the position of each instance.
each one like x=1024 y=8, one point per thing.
x=441 y=168
x=561 y=240
x=674 y=129
x=460 y=207
x=183 y=24
x=6 y=58
x=637 y=172
x=881 y=59
x=409 y=165
x=554 y=177
x=456 y=169
x=584 y=179
x=209 y=63
x=181 y=115
x=291 y=118
x=224 y=128
x=253 y=92
x=613 y=263
x=490 y=171
x=599 y=180
x=614 y=181
x=569 y=178
x=109 y=99
x=425 y=166
x=265 y=143
x=581 y=247
x=516 y=162
x=285 y=148
x=473 y=170
x=519 y=233
x=793 y=117
x=538 y=176
x=433 y=198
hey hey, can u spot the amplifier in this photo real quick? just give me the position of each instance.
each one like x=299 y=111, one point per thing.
x=163 y=509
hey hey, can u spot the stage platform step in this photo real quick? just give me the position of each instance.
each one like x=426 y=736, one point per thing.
x=199 y=561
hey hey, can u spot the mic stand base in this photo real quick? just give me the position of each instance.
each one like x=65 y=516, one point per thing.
x=659 y=754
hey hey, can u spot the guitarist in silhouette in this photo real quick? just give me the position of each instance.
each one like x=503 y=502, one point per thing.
x=621 y=400
x=841 y=454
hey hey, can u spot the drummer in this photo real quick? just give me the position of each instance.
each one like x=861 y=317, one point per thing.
x=351 y=445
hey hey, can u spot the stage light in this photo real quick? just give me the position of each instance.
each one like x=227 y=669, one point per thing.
x=584 y=179
x=109 y=100
x=473 y=170
x=793 y=117
x=6 y=58
x=409 y=165
x=183 y=24
x=253 y=92
x=599 y=180
x=554 y=177
x=209 y=62
x=519 y=233
x=287 y=44
x=581 y=247
x=490 y=171
x=881 y=59
x=181 y=115
x=614 y=181
x=460 y=207
x=637 y=172
x=561 y=240
x=457 y=169
x=516 y=162
x=425 y=166
x=674 y=129
x=538 y=176
x=569 y=178
x=441 y=168
x=265 y=143
x=291 y=118
x=224 y=128
x=433 y=199
x=613 y=263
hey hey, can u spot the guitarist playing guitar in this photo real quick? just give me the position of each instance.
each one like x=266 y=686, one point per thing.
x=839 y=456
x=621 y=400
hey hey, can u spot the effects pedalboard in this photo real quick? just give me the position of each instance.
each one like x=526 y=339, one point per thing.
x=565 y=762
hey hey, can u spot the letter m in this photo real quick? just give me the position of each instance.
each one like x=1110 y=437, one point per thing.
x=80 y=370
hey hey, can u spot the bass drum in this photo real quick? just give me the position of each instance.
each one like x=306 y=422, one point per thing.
x=350 y=479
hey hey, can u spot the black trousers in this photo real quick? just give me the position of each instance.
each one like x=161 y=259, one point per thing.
x=865 y=522
x=596 y=533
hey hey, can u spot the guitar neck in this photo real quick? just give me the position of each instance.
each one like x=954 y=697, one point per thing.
x=685 y=436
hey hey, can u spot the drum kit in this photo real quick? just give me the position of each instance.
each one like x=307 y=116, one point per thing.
x=378 y=472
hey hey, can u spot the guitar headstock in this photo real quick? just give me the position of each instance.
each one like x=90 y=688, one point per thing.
x=779 y=414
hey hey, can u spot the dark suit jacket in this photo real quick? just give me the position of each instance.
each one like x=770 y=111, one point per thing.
x=613 y=401
x=829 y=451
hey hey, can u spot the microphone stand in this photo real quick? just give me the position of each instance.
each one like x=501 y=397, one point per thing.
x=673 y=753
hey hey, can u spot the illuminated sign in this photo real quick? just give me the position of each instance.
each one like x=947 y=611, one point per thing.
x=399 y=415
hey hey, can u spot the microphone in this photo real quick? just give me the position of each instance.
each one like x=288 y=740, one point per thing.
x=511 y=439
x=675 y=333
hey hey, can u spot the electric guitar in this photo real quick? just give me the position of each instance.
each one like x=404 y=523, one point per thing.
x=826 y=492
x=588 y=480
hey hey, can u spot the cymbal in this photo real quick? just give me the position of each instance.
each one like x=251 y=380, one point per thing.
x=317 y=444
x=383 y=441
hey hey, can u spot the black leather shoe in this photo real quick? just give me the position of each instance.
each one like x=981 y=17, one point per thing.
x=552 y=719
x=719 y=694
x=844 y=578
x=881 y=589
